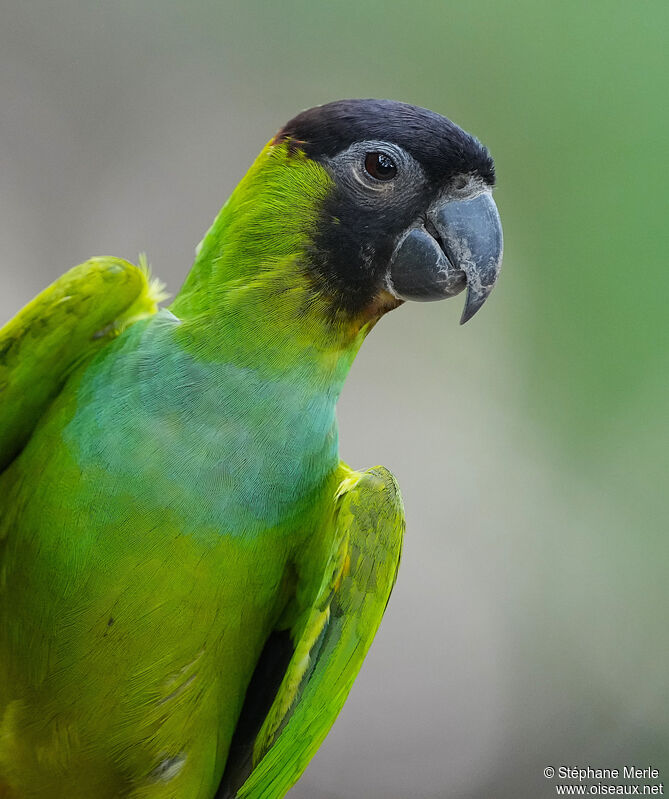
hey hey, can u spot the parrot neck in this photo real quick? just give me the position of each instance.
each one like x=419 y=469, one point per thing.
x=274 y=352
x=245 y=401
x=249 y=301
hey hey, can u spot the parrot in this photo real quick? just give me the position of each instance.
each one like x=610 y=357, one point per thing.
x=190 y=577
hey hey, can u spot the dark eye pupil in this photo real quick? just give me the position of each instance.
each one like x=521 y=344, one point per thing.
x=380 y=166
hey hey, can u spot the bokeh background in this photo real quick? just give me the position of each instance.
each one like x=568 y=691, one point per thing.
x=529 y=626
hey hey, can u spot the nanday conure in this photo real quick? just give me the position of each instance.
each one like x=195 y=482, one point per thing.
x=189 y=576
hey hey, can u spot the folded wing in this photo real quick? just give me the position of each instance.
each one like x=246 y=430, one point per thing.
x=332 y=645
x=63 y=326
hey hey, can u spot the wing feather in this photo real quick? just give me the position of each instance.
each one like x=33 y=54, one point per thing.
x=65 y=324
x=343 y=620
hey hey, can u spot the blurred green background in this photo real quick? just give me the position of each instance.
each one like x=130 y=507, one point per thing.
x=529 y=624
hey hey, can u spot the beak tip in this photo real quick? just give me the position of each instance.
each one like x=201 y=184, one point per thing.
x=473 y=305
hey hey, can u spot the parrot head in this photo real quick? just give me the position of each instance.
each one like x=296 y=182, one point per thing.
x=408 y=214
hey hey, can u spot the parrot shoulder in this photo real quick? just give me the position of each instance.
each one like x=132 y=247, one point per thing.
x=315 y=664
x=62 y=327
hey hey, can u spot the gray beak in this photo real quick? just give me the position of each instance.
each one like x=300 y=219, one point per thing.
x=463 y=247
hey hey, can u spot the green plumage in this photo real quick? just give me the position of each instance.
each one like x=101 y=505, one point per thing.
x=190 y=577
x=175 y=503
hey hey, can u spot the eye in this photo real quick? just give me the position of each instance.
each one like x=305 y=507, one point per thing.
x=380 y=166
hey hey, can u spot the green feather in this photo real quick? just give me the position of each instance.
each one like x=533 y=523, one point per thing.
x=171 y=494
